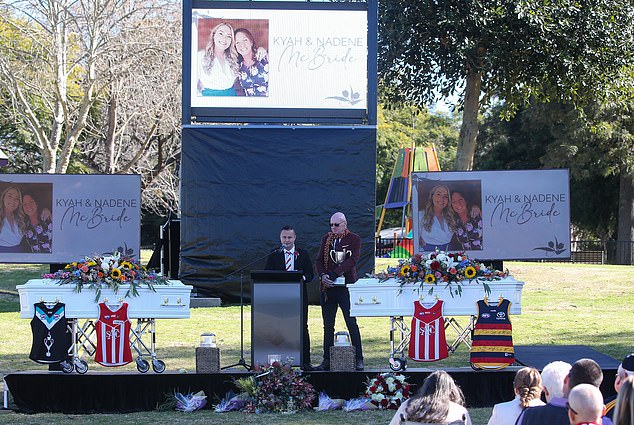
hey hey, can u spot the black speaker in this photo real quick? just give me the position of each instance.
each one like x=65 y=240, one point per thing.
x=171 y=243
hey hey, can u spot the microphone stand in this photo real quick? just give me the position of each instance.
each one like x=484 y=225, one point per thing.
x=242 y=362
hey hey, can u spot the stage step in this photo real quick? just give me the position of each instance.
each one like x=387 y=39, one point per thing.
x=200 y=302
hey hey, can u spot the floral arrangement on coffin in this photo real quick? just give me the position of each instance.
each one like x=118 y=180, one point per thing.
x=442 y=268
x=275 y=388
x=388 y=390
x=107 y=271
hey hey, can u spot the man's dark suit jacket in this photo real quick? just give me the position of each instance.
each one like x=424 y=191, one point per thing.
x=276 y=261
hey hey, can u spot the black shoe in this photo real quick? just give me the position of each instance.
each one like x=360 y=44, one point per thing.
x=322 y=367
x=308 y=368
x=359 y=364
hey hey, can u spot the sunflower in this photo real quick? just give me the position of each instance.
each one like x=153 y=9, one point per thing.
x=404 y=270
x=126 y=265
x=470 y=272
x=430 y=278
x=115 y=273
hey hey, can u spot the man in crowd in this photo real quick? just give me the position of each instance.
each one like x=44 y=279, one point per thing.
x=583 y=371
x=290 y=258
x=553 y=377
x=335 y=264
x=626 y=368
x=585 y=405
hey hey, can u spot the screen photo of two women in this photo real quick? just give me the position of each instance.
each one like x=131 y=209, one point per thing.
x=449 y=215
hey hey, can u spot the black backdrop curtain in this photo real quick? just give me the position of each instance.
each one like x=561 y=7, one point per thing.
x=240 y=185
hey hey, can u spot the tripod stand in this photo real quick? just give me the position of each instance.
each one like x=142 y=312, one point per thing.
x=242 y=362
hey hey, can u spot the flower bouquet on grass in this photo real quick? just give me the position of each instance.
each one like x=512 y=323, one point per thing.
x=388 y=390
x=281 y=389
x=442 y=268
x=276 y=388
x=107 y=271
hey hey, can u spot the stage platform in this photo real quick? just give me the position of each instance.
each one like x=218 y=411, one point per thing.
x=538 y=356
x=109 y=391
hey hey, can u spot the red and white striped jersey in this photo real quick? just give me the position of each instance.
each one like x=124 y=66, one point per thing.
x=427 y=342
x=113 y=336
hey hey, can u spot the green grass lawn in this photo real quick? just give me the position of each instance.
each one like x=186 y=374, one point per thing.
x=562 y=304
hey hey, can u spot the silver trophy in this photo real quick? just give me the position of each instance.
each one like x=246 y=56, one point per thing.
x=339 y=256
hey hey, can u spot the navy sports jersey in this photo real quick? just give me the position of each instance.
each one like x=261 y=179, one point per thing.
x=491 y=339
x=51 y=337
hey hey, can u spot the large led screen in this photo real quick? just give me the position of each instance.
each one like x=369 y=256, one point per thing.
x=493 y=215
x=59 y=218
x=265 y=61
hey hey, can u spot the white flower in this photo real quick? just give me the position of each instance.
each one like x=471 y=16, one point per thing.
x=105 y=264
x=400 y=378
x=378 y=397
x=391 y=386
x=390 y=380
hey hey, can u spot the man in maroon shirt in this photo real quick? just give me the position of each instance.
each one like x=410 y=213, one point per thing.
x=335 y=265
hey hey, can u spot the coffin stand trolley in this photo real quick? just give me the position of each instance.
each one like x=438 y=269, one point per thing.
x=170 y=301
x=375 y=298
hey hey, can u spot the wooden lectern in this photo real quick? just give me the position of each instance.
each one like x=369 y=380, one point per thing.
x=276 y=316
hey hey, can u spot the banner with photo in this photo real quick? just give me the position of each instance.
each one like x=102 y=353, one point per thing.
x=249 y=56
x=60 y=218
x=493 y=215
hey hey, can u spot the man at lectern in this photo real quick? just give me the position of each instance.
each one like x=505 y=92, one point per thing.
x=288 y=257
x=336 y=266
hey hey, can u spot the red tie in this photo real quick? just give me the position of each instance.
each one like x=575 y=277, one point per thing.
x=288 y=255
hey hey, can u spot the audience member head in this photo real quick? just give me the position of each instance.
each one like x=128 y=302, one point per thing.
x=585 y=404
x=583 y=371
x=431 y=402
x=528 y=385
x=553 y=377
x=626 y=368
x=624 y=410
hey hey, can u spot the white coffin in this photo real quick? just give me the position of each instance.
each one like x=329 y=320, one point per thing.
x=168 y=302
x=370 y=297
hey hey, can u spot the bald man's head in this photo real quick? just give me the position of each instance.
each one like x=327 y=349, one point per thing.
x=585 y=404
x=338 y=223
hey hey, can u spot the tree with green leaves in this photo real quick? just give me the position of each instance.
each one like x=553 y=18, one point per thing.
x=566 y=51
x=405 y=127
x=596 y=144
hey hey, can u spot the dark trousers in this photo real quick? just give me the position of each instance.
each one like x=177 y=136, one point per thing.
x=338 y=297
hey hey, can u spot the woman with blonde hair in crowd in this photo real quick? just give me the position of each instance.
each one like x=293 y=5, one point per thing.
x=218 y=64
x=527 y=386
x=624 y=410
x=438 y=401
